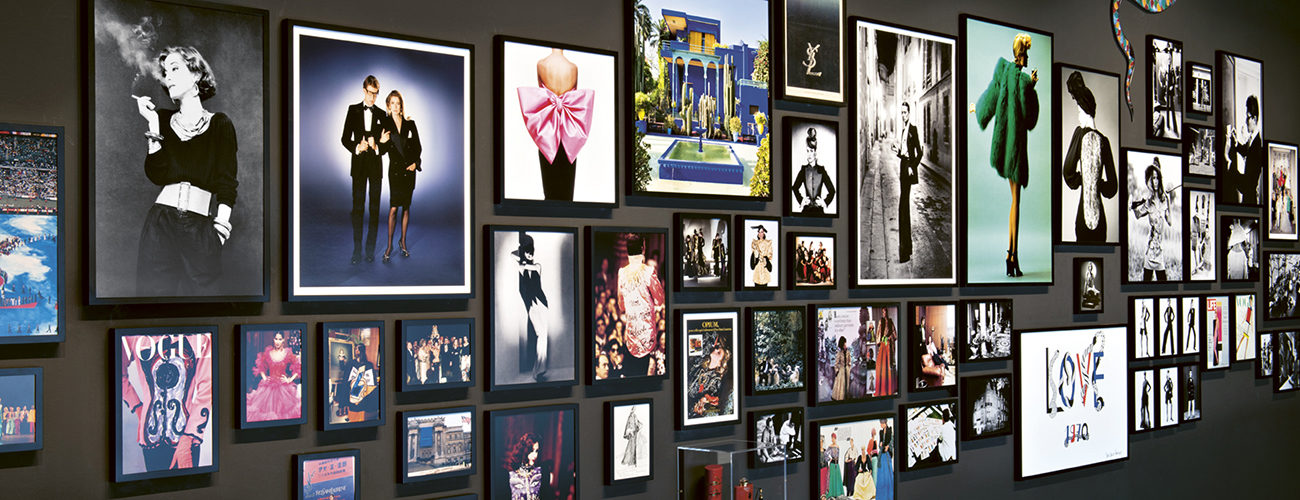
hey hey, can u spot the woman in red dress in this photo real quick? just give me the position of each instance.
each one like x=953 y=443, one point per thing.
x=276 y=396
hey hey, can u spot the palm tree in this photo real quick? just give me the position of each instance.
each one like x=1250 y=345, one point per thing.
x=644 y=29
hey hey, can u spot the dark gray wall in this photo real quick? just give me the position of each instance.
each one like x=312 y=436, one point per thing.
x=1245 y=443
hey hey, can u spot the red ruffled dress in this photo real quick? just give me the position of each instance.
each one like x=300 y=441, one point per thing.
x=275 y=399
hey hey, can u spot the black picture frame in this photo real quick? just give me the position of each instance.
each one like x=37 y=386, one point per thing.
x=1265 y=355
x=809 y=22
x=34 y=389
x=1281 y=285
x=1142 y=318
x=1165 y=84
x=51 y=323
x=916 y=414
x=750 y=257
x=984 y=394
x=295 y=338
x=507 y=429
x=1200 y=89
x=1100 y=91
x=613 y=460
x=137 y=345
x=1218 y=332
x=886 y=325
x=1286 y=378
x=802 y=165
x=240 y=270
x=452 y=443
x=1245 y=326
x=1191 y=323
x=338 y=474
x=762 y=323
x=1136 y=240
x=1202 y=236
x=1283 y=166
x=782 y=447
x=510 y=316
x=1231 y=110
x=943 y=320
x=1169 y=332
x=1089 y=285
x=342 y=338
x=1189 y=400
x=889 y=439
x=974 y=337
x=697 y=331
x=1141 y=419
x=610 y=243
x=802 y=270
x=419 y=330
x=1239 y=247
x=1169 y=386
x=1201 y=159
x=687 y=276
x=313 y=262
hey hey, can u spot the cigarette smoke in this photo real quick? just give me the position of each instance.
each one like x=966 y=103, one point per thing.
x=134 y=42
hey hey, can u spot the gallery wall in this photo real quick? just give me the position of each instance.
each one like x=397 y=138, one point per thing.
x=1244 y=445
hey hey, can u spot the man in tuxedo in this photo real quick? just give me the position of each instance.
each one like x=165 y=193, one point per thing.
x=363 y=132
x=908 y=150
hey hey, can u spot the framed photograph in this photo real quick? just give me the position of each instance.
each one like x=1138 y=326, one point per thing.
x=930 y=431
x=1198 y=150
x=812 y=165
x=1281 y=207
x=534 y=452
x=1282 y=285
x=438 y=444
x=1152 y=196
x=31 y=157
x=1165 y=83
x=1168 y=326
x=855 y=352
x=404 y=82
x=848 y=445
x=1201 y=237
x=759 y=253
x=146 y=177
x=1266 y=354
x=436 y=353
x=1143 y=315
x=1287 y=372
x=1239 y=246
x=629 y=454
x=1218 y=333
x=556 y=104
x=699 y=131
x=332 y=475
x=627 y=301
x=21 y=400
x=1006 y=146
x=702 y=246
x=1169 y=390
x=986 y=406
x=905 y=161
x=167 y=413
x=1191 y=323
x=1243 y=336
x=1145 y=400
x=778 y=435
x=1240 y=137
x=532 y=289
x=708 y=388
x=270 y=375
x=1200 y=88
x=1087 y=182
x=777 y=343
x=988 y=331
x=1189 y=400
x=1102 y=405
x=933 y=336
x=809 y=34
x=1089 y=285
x=352 y=362
x=813 y=261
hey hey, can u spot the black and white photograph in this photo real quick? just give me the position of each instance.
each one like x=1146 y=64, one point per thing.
x=1240 y=138
x=905 y=147
x=703 y=248
x=532 y=306
x=1218 y=332
x=986 y=406
x=777 y=349
x=1189 y=398
x=933 y=346
x=813 y=260
x=930 y=434
x=436 y=353
x=1165 y=84
x=1198 y=148
x=1239 y=248
x=1287 y=370
x=1145 y=400
x=1088 y=135
x=1169 y=389
x=1143 y=316
x=31 y=234
x=1199 y=88
x=1244 y=330
x=1191 y=323
x=438 y=444
x=812 y=60
x=778 y=436
x=629 y=452
x=759 y=253
x=1089 y=285
x=367 y=112
x=1152 y=197
x=987 y=331
x=192 y=80
x=1282 y=285
x=812 y=167
x=1281 y=208
x=1168 y=325
x=1265 y=354
x=708 y=390
x=556 y=108
x=627 y=303
x=1202 y=237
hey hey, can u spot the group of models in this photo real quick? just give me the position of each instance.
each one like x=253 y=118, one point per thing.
x=857 y=472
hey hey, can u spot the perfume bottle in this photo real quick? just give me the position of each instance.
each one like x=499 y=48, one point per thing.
x=744 y=490
x=713 y=482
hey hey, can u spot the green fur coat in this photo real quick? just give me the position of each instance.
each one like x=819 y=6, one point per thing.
x=1011 y=99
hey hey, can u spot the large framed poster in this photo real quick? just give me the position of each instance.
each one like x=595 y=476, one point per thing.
x=627 y=303
x=1240 y=136
x=1086 y=147
x=32 y=260
x=708 y=385
x=532 y=306
x=811 y=62
x=1072 y=383
x=1153 y=199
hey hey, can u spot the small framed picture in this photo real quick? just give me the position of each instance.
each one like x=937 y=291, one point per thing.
x=1145 y=399
x=166 y=402
x=1240 y=138
x=629 y=452
x=1191 y=323
x=778 y=435
x=813 y=261
x=987 y=335
x=1168 y=390
x=933 y=335
x=1201 y=236
x=627 y=303
x=331 y=475
x=270 y=375
x=534 y=452
x=352 y=365
x=1265 y=355
x=1086 y=144
x=1089 y=285
x=1168 y=325
x=776 y=349
x=1152 y=196
x=708 y=388
x=863 y=450
x=1282 y=285
x=1244 y=330
x=1198 y=150
x=930 y=431
x=22 y=402
x=1200 y=89
x=854 y=352
x=532 y=306
x=33 y=220
x=438 y=444
x=1143 y=316
x=1218 y=332
x=1287 y=371
x=759 y=253
x=1165 y=83
x=812 y=167
x=986 y=406
x=1282 y=209
x=436 y=353
x=811 y=62
x=1189 y=399
x=1239 y=244
x=703 y=248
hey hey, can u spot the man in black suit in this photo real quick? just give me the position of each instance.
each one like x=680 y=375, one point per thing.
x=363 y=131
x=909 y=157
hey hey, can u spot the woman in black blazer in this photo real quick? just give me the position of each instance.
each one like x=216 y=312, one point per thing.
x=401 y=142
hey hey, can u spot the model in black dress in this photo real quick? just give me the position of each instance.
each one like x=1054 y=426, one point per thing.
x=401 y=142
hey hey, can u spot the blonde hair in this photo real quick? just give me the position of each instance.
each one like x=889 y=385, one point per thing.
x=1021 y=44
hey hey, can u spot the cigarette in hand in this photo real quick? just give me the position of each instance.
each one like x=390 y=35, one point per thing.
x=148 y=102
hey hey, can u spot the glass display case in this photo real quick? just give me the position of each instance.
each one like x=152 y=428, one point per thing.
x=731 y=470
